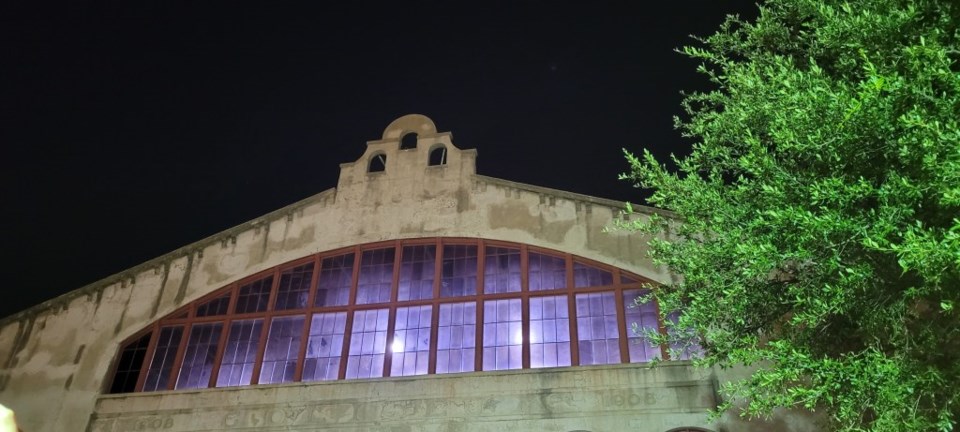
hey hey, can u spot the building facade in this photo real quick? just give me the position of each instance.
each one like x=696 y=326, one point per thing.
x=417 y=295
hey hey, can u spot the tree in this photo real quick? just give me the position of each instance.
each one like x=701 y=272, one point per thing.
x=816 y=233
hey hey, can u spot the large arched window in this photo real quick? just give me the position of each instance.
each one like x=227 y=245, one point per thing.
x=398 y=308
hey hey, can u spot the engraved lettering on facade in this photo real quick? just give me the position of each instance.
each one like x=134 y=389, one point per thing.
x=341 y=413
x=629 y=398
x=232 y=418
x=152 y=423
x=402 y=409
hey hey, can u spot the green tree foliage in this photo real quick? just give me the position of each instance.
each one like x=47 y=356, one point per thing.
x=816 y=232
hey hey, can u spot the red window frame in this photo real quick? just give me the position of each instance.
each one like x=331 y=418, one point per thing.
x=185 y=317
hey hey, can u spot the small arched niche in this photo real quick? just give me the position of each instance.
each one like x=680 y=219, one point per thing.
x=378 y=163
x=438 y=156
x=408 y=141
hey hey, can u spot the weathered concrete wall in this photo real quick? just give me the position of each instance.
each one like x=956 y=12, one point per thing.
x=55 y=358
x=607 y=398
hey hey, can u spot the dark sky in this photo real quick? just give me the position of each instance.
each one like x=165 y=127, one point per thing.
x=130 y=130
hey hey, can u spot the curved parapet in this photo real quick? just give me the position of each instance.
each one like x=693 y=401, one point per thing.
x=410 y=123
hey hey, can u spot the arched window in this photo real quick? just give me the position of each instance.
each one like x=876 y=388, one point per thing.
x=397 y=308
x=409 y=141
x=378 y=163
x=438 y=156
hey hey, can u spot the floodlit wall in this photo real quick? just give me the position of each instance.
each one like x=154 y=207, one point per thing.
x=598 y=398
x=55 y=358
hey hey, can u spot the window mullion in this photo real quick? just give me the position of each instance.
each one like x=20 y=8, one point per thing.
x=392 y=311
x=525 y=325
x=178 y=360
x=261 y=348
x=351 y=311
x=572 y=312
x=435 y=306
x=147 y=357
x=307 y=319
x=218 y=357
x=621 y=320
x=664 y=349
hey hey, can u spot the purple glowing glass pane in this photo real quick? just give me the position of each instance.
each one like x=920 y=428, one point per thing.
x=368 y=343
x=217 y=306
x=457 y=337
x=459 y=271
x=199 y=355
x=417 y=265
x=283 y=348
x=597 y=331
x=333 y=285
x=236 y=366
x=129 y=365
x=688 y=346
x=294 y=288
x=376 y=276
x=501 y=270
x=589 y=276
x=158 y=374
x=253 y=297
x=411 y=341
x=546 y=272
x=502 y=334
x=549 y=332
x=627 y=280
x=325 y=346
x=640 y=317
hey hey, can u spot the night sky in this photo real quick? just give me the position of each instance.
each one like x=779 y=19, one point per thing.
x=129 y=130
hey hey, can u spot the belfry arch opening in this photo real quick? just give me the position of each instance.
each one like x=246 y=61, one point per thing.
x=408 y=141
x=378 y=163
x=438 y=156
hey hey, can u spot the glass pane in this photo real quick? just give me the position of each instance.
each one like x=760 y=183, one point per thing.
x=689 y=346
x=549 y=332
x=325 y=346
x=198 y=358
x=129 y=365
x=501 y=270
x=333 y=286
x=457 y=337
x=626 y=280
x=283 y=349
x=294 y=288
x=459 y=271
x=254 y=296
x=376 y=276
x=158 y=375
x=411 y=341
x=547 y=272
x=217 y=306
x=640 y=316
x=588 y=276
x=502 y=335
x=416 y=272
x=368 y=343
x=597 y=332
x=236 y=366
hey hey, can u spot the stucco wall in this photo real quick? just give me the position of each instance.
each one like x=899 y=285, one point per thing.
x=605 y=398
